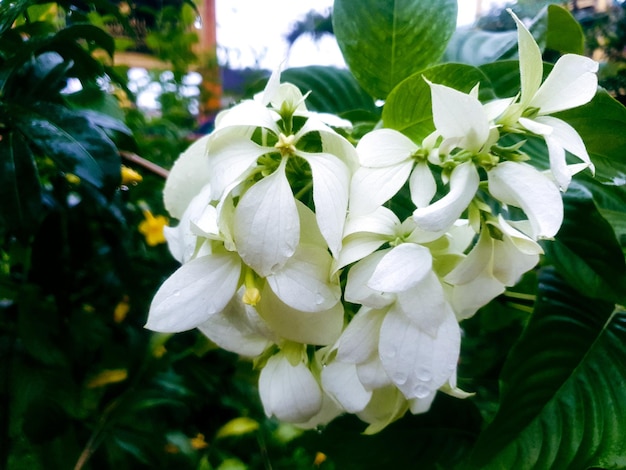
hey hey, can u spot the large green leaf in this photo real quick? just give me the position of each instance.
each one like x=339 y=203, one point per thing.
x=563 y=393
x=440 y=438
x=408 y=108
x=385 y=41
x=586 y=251
x=332 y=90
x=554 y=29
x=20 y=192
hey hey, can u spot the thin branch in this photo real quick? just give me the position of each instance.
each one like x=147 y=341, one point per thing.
x=147 y=164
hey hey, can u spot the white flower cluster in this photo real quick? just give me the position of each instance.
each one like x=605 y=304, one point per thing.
x=276 y=210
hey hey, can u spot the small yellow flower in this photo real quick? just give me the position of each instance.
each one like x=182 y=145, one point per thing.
x=121 y=310
x=198 y=442
x=130 y=176
x=72 y=178
x=106 y=377
x=320 y=458
x=152 y=228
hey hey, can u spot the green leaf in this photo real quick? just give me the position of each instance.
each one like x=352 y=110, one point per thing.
x=601 y=124
x=563 y=393
x=586 y=251
x=332 y=90
x=20 y=191
x=384 y=42
x=564 y=35
x=94 y=36
x=440 y=438
x=408 y=108
x=73 y=141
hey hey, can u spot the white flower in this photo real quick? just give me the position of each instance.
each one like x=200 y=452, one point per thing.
x=288 y=389
x=388 y=158
x=493 y=264
x=523 y=186
x=299 y=301
x=266 y=227
x=571 y=83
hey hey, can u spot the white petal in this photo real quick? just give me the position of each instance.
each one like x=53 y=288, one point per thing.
x=231 y=156
x=422 y=185
x=303 y=282
x=422 y=405
x=329 y=411
x=267 y=227
x=477 y=260
x=358 y=246
x=187 y=177
x=424 y=304
x=290 y=393
x=332 y=142
x=238 y=328
x=451 y=109
x=357 y=290
x=372 y=374
x=521 y=185
x=469 y=297
x=567 y=137
x=359 y=341
x=331 y=187
x=571 y=83
x=381 y=221
x=530 y=61
x=386 y=406
x=181 y=240
x=309 y=231
x=385 y=147
x=372 y=187
x=443 y=213
x=319 y=328
x=198 y=289
x=401 y=268
x=249 y=114
x=341 y=381
x=509 y=263
x=522 y=242
x=417 y=362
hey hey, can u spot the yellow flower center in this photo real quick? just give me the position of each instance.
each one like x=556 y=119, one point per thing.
x=286 y=144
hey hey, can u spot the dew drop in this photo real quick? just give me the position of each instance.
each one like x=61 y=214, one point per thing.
x=319 y=298
x=424 y=375
x=197 y=23
x=400 y=378
x=176 y=293
x=421 y=391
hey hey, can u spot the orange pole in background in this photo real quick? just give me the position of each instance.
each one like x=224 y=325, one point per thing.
x=211 y=88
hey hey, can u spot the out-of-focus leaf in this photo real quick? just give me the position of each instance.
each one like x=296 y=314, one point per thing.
x=20 y=191
x=95 y=37
x=564 y=33
x=585 y=250
x=237 y=427
x=437 y=439
x=408 y=108
x=384 y=42
x=73 y=142
x=332 y=90
x=563 y=388
x=554 y=28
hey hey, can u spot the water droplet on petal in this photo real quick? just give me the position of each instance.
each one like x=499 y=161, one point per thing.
x=421 y=391
x=400 y=378
x=319 y=298
x=176 y=293
x=424 y=375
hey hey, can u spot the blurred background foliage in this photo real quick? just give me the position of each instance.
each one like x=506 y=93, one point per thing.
x=82 y=384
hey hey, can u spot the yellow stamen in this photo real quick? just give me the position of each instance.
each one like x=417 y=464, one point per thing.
x=286 y=144
x=130 y=176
